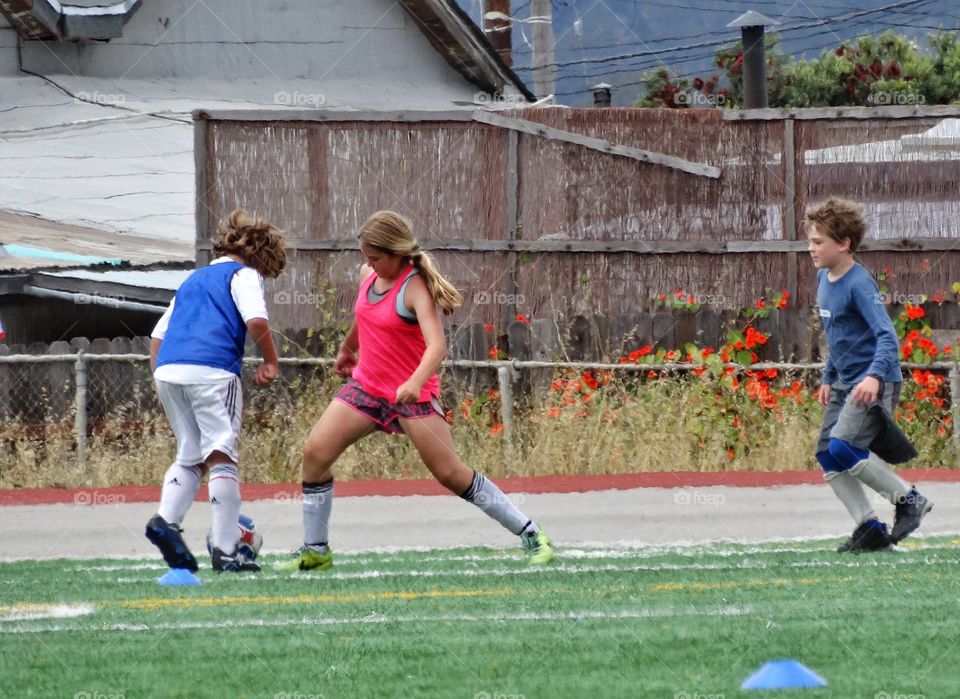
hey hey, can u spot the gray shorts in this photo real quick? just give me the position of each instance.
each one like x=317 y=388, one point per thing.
x=855 y=424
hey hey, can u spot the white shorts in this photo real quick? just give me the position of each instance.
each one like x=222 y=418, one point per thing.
x=204 y=417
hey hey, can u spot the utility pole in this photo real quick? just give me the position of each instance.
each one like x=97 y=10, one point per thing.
x=497 y=27
x=544 y=68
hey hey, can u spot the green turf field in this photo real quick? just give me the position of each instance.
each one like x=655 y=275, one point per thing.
x=683 y=623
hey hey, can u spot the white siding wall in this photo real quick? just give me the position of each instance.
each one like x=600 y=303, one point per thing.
x=8 y=48
x=252 y=39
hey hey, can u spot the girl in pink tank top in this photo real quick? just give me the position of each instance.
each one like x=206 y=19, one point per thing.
x=392 y=354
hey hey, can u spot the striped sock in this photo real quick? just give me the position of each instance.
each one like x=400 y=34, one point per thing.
x=488 y=497
x=224 y=488
x=180 y=486
x=317 y=505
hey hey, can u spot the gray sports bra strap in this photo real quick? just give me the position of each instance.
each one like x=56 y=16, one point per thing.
x=402 y=309
x=408 y=316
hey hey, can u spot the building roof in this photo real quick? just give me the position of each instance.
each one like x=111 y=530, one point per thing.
x=30 y=243
x=116 y=155
x=446 y=26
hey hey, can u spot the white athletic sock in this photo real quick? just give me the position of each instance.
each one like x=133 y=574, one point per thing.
x=317 y=505
x=851 y=494
x=180 y=487
x=488 y=497
x=224 y=490
x=876 y=473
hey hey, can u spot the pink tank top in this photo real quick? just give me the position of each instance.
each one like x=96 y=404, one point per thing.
x=390 y=348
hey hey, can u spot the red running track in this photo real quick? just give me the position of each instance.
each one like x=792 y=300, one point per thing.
x=517 y=484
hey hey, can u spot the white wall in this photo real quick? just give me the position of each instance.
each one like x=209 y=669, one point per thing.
x=253 y=39
x=8 y=48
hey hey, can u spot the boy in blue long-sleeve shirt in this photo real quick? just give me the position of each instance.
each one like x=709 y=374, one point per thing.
x=862 y=374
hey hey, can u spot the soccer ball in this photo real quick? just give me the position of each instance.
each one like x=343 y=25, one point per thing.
x=250 y=539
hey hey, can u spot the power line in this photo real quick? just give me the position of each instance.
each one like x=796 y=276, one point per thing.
x=728 y=38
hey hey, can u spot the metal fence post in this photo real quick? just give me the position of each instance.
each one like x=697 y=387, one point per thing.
x=80 y=420
x=955 y=405
x=505 y=379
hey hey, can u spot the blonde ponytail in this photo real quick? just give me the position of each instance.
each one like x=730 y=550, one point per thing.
x=392 y=233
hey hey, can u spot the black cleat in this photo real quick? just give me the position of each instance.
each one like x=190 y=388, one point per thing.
x=167 y=537
x=870 y=535
x=235 y=562
x=910 y=511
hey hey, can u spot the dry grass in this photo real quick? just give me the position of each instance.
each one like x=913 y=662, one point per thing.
x=670 y=424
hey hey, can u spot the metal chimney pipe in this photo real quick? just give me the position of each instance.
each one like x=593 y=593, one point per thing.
x=752 y=31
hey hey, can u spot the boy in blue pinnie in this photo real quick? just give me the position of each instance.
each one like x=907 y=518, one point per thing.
x=196 y=353
x=861 y=383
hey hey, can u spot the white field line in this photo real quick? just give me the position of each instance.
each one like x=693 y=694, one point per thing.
x=860 y=562
x=574 y=616
x=611 y=549
x=915 y=544
x=47 y=611
x=583 y=549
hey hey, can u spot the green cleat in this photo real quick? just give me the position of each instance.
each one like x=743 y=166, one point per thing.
x=307 y=558
x=538 y=547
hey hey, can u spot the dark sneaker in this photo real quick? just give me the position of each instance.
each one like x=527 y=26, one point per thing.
x=169 y=539
x=910 y=511
x=870 y=535
x=235 y=562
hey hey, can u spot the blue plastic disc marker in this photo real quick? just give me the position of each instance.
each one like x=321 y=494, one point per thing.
x=179 y=576
x=783 y=674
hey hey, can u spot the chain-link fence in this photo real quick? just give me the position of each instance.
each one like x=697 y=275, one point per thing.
x=59 y=412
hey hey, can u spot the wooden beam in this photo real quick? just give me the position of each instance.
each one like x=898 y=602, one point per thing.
x=898 y=112
x=201 y=161
x=293 y=115
x=550 y=133
x=641 y=247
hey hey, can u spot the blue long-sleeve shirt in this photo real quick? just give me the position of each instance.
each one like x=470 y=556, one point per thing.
x=859 y=330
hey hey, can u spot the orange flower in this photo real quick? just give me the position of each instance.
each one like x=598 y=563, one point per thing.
x=730 y=453
x=642 y=352
x=588 y=379
x=493 y=394
x=554 y=412
x=914 y=312
x=494 y=352
x=496 y=428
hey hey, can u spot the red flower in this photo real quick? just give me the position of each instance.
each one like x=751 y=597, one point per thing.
x=588 y=379
x=488 y=327
x=522 y=318
x=642 y=352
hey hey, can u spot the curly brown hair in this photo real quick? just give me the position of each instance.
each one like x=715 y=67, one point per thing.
x=838 y=218
x=258 y=243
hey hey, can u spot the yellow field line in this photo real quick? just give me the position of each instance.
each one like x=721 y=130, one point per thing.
x=161 y=602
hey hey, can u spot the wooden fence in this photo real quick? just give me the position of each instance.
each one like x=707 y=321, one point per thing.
x=570 y=214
